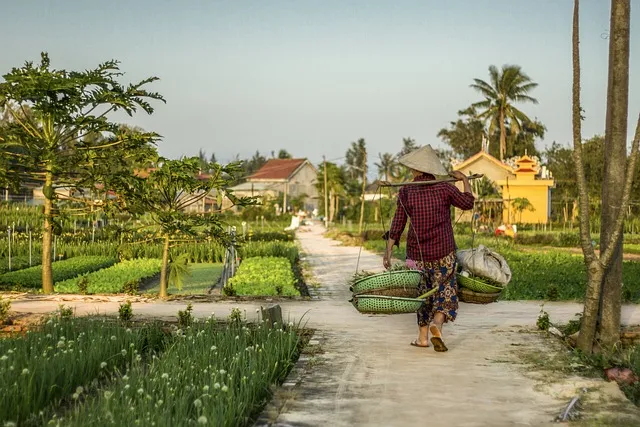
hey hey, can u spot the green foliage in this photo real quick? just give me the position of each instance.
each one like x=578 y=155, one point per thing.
x=62 y=270
x=125 y=312
x=65 y=312
x=53 y=366
x=543 y=321
x=5 y=306
x=210 y=375
x=185 y=317
x=113 y=279
x=465 y=135
x=235 y=316
x=17 y=263
x=179 y=270
x=83 y=285
x=286 y=250
x=264 y=276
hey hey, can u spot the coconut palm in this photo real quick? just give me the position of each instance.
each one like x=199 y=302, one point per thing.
x=387 y=166
x=505 y=87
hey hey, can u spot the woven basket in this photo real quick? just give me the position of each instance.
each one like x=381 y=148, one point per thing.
x=469 y=296
x=386 y=280
x=385 y=305
x=477 y=285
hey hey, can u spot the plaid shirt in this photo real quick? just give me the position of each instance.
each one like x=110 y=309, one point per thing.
x=430 y=234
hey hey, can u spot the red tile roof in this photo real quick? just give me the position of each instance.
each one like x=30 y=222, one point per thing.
x=277 y=169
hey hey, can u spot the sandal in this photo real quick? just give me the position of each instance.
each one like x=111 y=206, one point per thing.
x=436 y=339
x=416 y=344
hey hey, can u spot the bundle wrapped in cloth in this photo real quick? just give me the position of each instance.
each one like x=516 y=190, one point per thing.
x=483 y=274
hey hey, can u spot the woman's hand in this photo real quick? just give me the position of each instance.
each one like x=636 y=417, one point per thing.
x=386 y=260
x=458 y=175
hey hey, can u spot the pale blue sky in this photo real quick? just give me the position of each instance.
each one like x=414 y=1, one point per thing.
x=312 y=76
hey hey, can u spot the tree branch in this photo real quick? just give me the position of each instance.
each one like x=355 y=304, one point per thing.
x=583 y=194
x=605 y=257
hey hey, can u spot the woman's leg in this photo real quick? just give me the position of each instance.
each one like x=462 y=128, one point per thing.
x=424 y=312
x=445 y=307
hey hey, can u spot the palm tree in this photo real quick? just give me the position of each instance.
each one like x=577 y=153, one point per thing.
x=356 y=158
x=388 y=166
x=505 y=87
x=408 y=145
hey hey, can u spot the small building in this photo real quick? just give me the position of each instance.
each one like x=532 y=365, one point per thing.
x=293 y=178
x=518 y=179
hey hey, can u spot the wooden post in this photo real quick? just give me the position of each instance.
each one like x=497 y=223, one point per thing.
x=272 y=315
x=364 y=185
x=284 y=207
x=326 y=195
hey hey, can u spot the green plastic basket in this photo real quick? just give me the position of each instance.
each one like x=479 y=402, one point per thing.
x=477 y=285
x=387 y=280
x=379 y=304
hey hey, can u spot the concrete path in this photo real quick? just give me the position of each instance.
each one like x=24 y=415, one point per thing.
x=368 y=375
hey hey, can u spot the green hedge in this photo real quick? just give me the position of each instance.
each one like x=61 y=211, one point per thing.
x=17 y=263
x=263 y=276
x=62 y=270
x=113 y=279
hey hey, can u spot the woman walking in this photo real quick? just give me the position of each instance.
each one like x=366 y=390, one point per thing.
x=431 y=246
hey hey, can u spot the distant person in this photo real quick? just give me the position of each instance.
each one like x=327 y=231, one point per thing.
x=431 y=247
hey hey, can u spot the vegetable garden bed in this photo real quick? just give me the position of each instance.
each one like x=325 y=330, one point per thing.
x=113 y=279
x=62 y=270
x=263 y=276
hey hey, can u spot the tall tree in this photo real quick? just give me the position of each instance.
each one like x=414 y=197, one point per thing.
x=284 y=154
x=408 y=145
x=387 y=166
x=355 y=158
x=505 y=87
x=619 y=169
x=170 y=188
x=464 y=136
x=336 y=178
x=67 y=106
x=202 y=157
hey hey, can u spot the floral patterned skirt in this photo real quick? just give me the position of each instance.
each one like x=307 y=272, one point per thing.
x=440 y=274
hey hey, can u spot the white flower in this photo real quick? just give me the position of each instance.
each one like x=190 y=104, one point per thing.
x=216 y=385
x=25 y=371
x=205 y=388
x=202 y=420
x=124 y=352
x=128 y=330
x=160 y=402
x=127 y=387
x=108 y=394
x=60 y=344
x=222 y=371
x=4 y=357
x=237 y=337
x=140 y=391
x=138 y=358
x=12 y=424
x=225 y=388
x=48 y=335
x=213 y=348
x=125 y=378
x=103 y=365
x=291 y=324
x=197 y=403
x=75 y=396
x=79 y=390
x=165 y=376
x=113 y=337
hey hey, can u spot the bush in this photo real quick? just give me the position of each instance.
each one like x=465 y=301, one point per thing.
x=125 y=312
x=113 y=279
x=264 y=276
x=271 y=249
x=62 y=270
x=5 y=306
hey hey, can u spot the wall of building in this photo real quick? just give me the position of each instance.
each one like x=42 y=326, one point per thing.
x=304 y=182
x=538 y=196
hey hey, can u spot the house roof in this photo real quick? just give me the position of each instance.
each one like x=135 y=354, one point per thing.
x=486 y=155
x=277 y=169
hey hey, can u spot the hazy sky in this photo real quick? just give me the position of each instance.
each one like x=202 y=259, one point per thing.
x=312 y=76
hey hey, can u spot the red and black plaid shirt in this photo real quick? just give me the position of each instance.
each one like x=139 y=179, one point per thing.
x=430 y=235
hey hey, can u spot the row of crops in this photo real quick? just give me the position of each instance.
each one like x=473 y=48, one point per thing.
x=101 y=372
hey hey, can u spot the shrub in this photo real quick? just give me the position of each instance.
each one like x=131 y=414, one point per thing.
x=5 y=306
x=185 y=318
x=125 y=312
x=18 y=263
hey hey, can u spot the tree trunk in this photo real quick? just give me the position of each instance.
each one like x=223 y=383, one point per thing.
x=164 y=268
x=615 y=159
x=337 y=206
x=587 y=334
x=47 y=235
x=503 y=136
x=332 y=207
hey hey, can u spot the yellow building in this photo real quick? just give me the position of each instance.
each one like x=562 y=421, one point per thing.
x=527 y=197
x=524 y=179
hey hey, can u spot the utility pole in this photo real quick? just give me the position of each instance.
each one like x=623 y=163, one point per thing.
x=326 y=194
x=364 y=185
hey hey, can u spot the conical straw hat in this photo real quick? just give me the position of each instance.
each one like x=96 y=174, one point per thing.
x=424 y=159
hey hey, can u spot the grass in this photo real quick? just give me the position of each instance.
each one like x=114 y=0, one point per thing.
x=263 y=276
x=202 y=277
x=208 y=376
